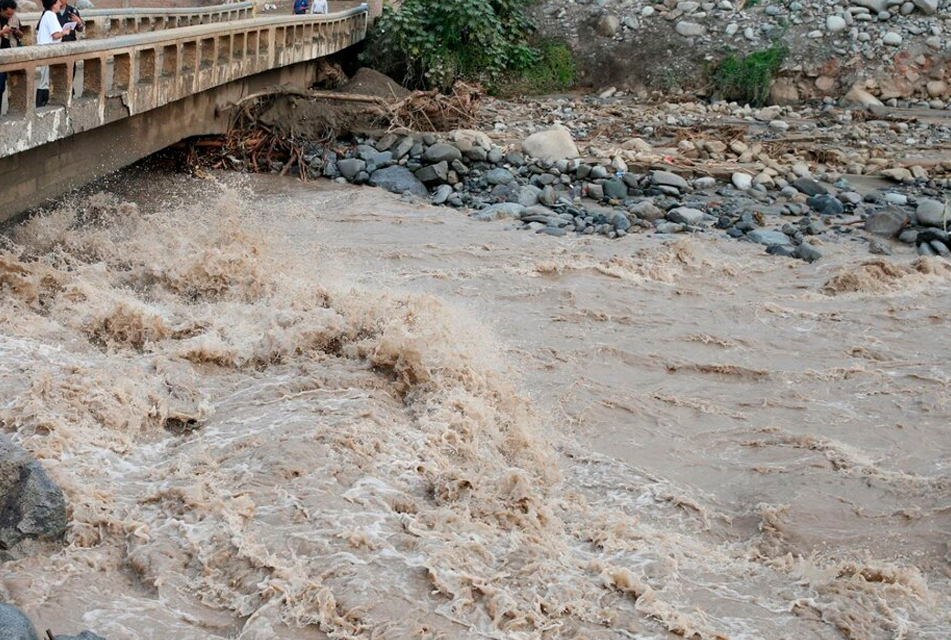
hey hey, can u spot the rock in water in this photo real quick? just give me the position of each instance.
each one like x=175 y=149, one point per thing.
x=442 y=194
x=930 y=213
x=499 y=211
x=85 y=635
x=553 y=145
x=886 y=223
x=808 y=252
x=31 y=505
x=398 y=179
x=763 y=236
x=14 y=625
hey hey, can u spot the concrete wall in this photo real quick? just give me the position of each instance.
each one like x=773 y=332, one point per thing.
x=43 y=173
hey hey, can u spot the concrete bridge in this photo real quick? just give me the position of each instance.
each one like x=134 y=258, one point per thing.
x=116 y=100
x=106 y=23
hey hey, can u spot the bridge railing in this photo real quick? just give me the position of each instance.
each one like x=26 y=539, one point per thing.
x=107 y=23
x=126 y=75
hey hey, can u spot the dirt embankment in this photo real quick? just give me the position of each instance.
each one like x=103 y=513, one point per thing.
x=639 y=46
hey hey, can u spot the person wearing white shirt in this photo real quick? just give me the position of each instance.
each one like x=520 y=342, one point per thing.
x=49 y=31
x=318 y=6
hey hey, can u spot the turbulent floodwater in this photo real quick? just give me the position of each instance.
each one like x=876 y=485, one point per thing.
x=290 y=411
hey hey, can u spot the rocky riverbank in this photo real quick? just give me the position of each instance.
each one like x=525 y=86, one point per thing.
x=786 y=180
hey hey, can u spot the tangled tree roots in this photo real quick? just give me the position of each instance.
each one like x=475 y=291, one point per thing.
x=273 y=129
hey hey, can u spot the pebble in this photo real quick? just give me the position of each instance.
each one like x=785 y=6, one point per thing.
x=809 y=187
x=742 y=181
x=686 y=215
x=895 y=198
x=892 y=39
x=826 y=205
x=669 y=179
x=835 y=24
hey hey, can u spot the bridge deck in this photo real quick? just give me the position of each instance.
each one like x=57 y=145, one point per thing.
x=154 y=69
x=107 y=23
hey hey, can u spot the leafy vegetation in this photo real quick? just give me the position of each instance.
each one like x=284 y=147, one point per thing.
x=747 y=79
x=552 y=71
x=433 y=43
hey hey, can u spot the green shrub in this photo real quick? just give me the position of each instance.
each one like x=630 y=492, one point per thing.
x=747 y=79
x=552 y=71
x=433 y=43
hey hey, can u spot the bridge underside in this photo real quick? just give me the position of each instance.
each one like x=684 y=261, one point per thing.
x=44 y=173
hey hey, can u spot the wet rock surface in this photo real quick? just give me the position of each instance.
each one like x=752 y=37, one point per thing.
x=31 y=505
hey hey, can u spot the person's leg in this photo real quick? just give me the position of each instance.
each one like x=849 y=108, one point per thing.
x=43 y=88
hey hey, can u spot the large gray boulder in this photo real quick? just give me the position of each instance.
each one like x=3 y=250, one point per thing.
x=31 y=505
x=84 y=5
x=931 y=213
x=552 y=145
x=14 y=625
x=398 y=179
x=887 y=223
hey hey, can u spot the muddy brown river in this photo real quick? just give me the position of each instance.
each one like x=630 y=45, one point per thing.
x=287 y=410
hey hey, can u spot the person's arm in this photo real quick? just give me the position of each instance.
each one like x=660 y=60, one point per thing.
x=75 y=17
x=58 y=33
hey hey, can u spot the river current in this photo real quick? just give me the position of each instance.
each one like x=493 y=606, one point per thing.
x=288 y=410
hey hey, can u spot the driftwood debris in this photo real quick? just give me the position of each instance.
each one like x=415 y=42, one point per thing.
x=260 y=143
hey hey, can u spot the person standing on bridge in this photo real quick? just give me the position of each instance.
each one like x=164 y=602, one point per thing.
x=68 y=13
x=48 y=31
x=318 y=6
x=10 y=35
x=300 y=7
